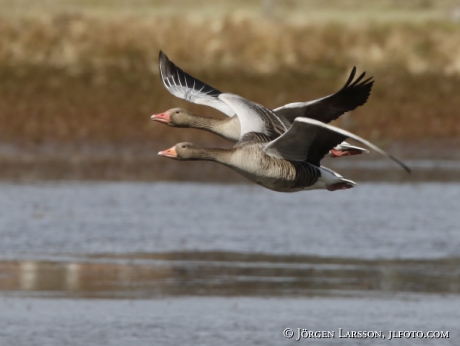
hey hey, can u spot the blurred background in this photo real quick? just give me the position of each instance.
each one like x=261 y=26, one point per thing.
x=103 y=242
x=79 y=79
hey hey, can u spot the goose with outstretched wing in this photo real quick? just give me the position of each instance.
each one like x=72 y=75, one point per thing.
x=353 y=94
x=288 y=163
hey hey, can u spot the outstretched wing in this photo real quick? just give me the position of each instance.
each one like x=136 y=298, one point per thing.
x=186 y=87
x=309 y=140
x=352 y=95
x=254 y=117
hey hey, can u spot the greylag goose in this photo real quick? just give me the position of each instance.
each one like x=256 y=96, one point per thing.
x=179 y=83
x=286 y=162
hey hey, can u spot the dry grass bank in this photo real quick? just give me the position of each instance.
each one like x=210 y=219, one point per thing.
x=77 y=78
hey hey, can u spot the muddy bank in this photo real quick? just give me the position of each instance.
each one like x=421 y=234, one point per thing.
x=429 y=161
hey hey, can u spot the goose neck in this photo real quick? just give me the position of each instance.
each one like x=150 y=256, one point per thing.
x=213 y=154
x=205 y=123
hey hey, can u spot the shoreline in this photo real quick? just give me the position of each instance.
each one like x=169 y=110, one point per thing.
x=436 y=160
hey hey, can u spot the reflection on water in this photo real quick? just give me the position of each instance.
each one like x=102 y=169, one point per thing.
x=225 y=274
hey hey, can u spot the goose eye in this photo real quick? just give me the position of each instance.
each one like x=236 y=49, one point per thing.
x=183 y=146
x=177 y=112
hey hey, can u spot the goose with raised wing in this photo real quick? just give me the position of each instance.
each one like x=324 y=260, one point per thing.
x=179 y=83
x=283 y=160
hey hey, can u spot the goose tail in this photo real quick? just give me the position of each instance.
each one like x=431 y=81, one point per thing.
x=346 y=149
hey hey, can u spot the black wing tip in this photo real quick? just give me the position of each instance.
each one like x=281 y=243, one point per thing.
x=359 y=89
x=350 y=77
x=358 y=82
x=407 y=169
x=167 y=67
x=173 y=74
x=163 y=60
x=162 y=57
x=402 y=164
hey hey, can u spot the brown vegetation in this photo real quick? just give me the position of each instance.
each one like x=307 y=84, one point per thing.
x=85 y=82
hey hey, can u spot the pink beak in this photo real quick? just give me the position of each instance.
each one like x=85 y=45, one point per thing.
x=171 y=152
x=161 y=117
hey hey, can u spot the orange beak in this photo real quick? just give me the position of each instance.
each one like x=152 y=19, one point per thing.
x=161 y=117
x=171 y=152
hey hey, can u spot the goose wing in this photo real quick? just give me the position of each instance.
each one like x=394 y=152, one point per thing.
x=352 y=95
x=254 y=117
x=184 y=86
x=309 y=140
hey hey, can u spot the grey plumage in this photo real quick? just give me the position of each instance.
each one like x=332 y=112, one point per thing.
x=267 y=152
x=179 y=83
x=352 y=95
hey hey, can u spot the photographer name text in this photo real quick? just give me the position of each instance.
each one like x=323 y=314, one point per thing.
x=341 y=333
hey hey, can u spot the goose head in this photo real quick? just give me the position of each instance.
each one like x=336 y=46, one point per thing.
x=177 y=117
x=182 y=151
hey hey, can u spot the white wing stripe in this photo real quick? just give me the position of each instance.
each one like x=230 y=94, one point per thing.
x=355 y=137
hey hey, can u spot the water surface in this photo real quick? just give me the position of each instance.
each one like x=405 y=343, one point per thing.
x=188 y=264
x=369 y=221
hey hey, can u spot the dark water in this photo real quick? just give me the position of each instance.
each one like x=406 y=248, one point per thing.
x=187 y=264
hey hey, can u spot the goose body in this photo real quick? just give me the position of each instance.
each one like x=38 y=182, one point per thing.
x=272 y=173
x=282 y=160
x=354 y=93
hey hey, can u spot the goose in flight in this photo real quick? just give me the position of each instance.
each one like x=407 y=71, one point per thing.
x=280 y=159
x=182 y=85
